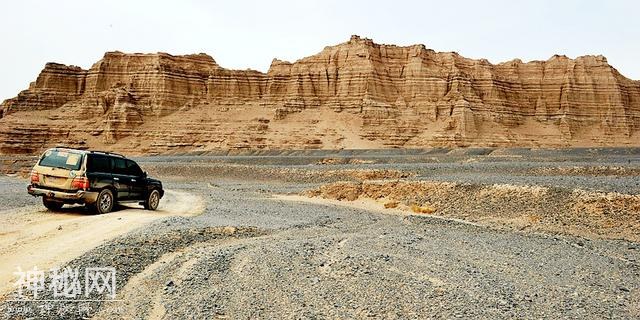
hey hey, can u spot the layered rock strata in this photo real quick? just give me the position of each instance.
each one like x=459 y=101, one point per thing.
x=357 y=94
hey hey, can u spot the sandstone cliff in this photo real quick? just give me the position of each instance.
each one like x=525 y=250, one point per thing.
x=356 y=94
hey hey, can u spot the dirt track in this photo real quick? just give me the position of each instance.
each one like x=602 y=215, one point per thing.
x=33 y=236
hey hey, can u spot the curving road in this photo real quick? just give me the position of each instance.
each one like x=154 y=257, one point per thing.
x=31 y=236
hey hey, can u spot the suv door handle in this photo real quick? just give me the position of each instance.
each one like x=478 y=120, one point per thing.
x=116 y=179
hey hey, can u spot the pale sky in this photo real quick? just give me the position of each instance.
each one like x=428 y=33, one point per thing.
x=249 y=34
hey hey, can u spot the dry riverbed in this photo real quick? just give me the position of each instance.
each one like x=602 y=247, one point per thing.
x=509 y=234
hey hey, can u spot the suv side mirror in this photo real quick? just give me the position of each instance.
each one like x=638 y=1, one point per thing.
x=144 y=174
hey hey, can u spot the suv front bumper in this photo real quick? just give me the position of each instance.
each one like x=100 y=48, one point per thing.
x=78 y=196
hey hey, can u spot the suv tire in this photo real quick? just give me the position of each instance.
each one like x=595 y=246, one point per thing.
x=104 y=202
x=52 y=205
x=152 y=201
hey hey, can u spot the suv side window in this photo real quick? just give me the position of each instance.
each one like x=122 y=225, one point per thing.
x=119 y=166
x=133 y=169
x=98 y=163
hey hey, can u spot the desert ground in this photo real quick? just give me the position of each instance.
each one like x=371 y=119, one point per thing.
x=438 y=233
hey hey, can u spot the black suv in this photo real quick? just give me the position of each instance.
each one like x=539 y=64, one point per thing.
x=94 y=178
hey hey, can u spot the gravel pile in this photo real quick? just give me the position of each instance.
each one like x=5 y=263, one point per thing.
x=533 y=208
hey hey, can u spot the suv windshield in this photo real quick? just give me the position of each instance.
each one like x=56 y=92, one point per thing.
x=61 y=159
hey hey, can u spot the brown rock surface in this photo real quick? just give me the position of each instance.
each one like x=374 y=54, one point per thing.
x=356 y=94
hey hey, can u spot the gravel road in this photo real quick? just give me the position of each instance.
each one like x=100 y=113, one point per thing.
x=253 y=255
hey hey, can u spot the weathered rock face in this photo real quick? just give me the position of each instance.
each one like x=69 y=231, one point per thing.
x=353 y=95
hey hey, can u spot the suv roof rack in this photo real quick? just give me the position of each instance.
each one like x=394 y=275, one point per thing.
x=72 y=148
x=90 y=151
x=107 y=153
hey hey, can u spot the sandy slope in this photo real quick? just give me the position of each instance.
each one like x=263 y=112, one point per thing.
x=34 y=237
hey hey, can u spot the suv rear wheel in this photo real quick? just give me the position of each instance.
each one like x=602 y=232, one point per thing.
x=52 y=205
x=152 y=201
x=104 y=203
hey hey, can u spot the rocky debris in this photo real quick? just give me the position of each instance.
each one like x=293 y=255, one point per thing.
x=331 y=161
x=356 y=94
x=391 y=204
x=610 y=215
x=273 y=173
x=421 y=208
x=129 y=256
x=590 y=170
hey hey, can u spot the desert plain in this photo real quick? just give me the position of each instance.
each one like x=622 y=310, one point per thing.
x=396 y=233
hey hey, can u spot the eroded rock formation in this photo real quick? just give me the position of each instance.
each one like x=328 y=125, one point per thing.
x=356 y=94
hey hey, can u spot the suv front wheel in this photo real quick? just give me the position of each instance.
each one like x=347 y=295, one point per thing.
x=152 y=201
x=104 y=203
